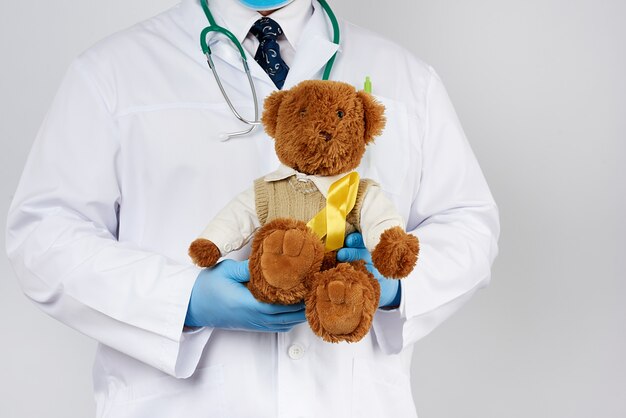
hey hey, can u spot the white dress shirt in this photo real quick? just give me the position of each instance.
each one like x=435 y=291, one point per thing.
x=239 y=19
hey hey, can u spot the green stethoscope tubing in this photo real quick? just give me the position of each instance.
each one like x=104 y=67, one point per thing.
x=214 y=27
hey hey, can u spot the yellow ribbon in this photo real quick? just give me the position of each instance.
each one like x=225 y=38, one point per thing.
x=330 y=222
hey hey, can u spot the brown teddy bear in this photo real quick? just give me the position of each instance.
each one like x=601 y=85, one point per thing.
x=300 y=213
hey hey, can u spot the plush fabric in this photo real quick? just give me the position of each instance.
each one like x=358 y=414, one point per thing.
x=204 y=253
x=285 y=255
x=320 y=129
x=396 y=253
x=342 y=302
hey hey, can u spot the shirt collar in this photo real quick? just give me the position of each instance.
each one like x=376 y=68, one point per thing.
x=293 y=18
x=239 y=19
x=322 y=183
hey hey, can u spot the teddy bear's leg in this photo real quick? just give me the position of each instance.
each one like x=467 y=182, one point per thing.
x=329 y=261
x=396 y=253
x=285 y=255
x=342 y=302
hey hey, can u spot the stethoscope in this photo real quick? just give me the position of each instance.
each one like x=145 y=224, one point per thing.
x=214 y=27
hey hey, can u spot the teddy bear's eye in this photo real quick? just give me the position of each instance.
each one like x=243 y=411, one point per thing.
x=340 y=114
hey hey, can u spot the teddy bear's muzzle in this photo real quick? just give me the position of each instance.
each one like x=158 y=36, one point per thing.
x=326 y=135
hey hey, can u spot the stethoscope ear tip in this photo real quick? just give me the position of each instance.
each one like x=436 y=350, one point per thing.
x=223 y=137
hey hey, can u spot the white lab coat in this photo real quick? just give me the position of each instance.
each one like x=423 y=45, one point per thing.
x=128 y=168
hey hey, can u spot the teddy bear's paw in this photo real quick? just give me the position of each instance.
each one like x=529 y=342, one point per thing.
x=342 y=303
x=204 y=253
x=288 y=257
x=396 y=253
x=285 y=254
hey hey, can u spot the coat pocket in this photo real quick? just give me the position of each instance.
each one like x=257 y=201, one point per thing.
x=200 y=395
x=379 y=390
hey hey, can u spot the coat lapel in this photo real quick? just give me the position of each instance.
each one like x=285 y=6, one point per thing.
x=230 y=55
x=314 y=49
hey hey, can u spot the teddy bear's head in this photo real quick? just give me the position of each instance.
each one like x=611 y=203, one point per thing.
x=322 y=127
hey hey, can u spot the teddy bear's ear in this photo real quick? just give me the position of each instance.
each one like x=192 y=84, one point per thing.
x=373 y=113
x=270 y=111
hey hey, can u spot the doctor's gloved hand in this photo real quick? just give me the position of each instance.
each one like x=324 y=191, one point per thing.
x=390 y=291
x=220 y=299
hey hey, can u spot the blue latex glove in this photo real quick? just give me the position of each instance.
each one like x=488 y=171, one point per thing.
x=354 y=249
x=220 y=299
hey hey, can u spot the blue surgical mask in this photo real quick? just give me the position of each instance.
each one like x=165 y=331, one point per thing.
x=264 y=4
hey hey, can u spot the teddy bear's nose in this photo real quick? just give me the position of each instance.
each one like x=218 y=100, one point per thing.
x=326 y=135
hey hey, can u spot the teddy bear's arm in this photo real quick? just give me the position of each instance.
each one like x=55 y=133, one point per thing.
x=234 y=225
x=394 y=252
x=378 y=214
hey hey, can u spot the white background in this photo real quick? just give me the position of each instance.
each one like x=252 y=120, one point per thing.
x=540 y=88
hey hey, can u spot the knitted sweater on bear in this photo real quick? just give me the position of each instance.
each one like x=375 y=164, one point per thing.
x=300 y=199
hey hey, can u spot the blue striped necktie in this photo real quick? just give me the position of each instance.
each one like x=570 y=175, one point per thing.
x=267 y=55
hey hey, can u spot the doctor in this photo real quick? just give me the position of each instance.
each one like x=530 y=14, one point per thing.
x=130 y=164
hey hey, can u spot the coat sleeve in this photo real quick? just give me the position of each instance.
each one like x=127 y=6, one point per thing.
x=456 y=220
x=62 y=240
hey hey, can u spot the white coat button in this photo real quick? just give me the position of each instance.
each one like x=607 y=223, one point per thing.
x=296 y=351
x=228 y=247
